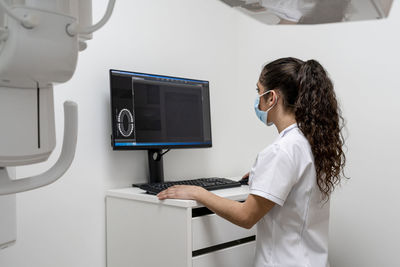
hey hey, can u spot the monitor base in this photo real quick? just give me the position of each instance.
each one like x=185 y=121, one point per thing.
x=155 y=165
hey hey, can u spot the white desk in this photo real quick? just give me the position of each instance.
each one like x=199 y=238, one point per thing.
x=145 y=232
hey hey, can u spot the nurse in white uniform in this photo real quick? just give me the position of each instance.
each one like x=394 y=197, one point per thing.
x=292 y=179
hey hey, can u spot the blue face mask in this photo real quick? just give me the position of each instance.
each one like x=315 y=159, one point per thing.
x=263 y=115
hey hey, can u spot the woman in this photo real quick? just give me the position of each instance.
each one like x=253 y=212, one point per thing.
x=291 y=180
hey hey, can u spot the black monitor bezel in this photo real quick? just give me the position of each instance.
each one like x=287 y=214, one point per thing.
x=152 y=147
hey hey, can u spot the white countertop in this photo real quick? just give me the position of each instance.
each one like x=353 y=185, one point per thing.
x=134 y=193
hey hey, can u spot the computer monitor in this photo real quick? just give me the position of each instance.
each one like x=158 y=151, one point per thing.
x=156 y=112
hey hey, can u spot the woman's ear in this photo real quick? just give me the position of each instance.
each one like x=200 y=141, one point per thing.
x=273 y=96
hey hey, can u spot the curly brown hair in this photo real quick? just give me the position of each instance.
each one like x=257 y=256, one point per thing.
x=308 y=92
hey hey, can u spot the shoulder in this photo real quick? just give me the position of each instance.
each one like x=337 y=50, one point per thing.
x=272 y=153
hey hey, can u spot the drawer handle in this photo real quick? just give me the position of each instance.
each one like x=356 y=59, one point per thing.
x=197 y=212
x=224 y=245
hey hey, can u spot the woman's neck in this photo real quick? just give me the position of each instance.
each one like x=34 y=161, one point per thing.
x=284 y=122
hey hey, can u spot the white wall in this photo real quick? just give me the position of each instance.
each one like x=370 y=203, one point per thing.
x=63 y=224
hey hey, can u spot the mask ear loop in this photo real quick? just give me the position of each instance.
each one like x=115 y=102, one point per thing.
x=264 y=93
x=272 y=96
x=271 y=123
x=259 y=96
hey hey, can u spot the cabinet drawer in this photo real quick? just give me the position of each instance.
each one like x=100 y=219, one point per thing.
x=211 y=230
x=237 y=256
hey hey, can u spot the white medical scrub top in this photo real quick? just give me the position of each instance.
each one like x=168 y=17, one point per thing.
x=294 y=233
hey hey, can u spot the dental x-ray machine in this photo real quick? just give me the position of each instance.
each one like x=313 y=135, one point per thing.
x=39 y=45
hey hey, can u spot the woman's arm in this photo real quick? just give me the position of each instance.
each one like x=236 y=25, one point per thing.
x=243 y=214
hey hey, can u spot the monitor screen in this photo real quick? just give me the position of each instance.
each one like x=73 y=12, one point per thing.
x=151 y=111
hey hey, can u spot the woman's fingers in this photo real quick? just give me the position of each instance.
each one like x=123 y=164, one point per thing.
x=177 y=191
x=170 y=192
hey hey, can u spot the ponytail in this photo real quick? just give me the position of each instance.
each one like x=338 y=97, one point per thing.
x=308 y=92
x=318 y=117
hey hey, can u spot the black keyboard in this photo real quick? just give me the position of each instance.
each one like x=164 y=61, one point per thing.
x=207 y=183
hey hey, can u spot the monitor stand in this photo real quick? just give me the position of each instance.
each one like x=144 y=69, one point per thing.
x=155 y=165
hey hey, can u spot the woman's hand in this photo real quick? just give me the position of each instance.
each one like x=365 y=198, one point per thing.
x=181 y=192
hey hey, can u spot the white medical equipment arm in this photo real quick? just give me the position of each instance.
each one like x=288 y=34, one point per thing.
x=75 y=28
x=27 y=21
x=9 y=186
x=36 y=51
x=39 y=45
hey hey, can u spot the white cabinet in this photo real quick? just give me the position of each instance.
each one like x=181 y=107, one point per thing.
x=145 y=232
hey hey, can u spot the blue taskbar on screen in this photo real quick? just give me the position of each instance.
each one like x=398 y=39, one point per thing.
x=133 y=144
